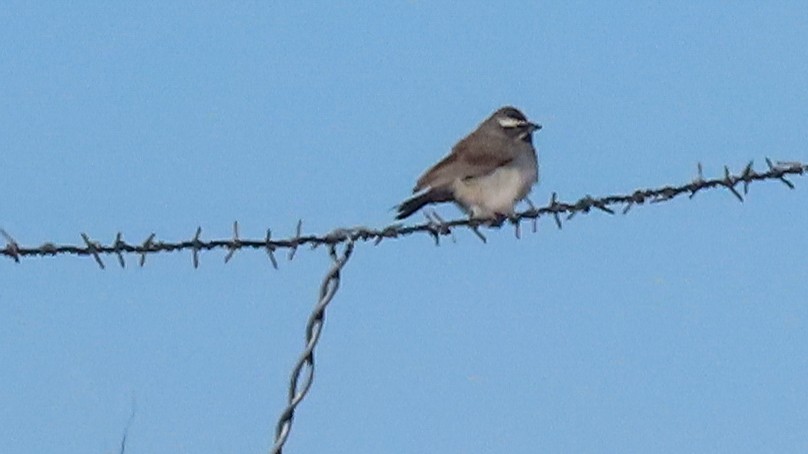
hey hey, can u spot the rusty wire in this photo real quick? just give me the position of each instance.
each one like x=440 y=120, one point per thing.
x=435 y=225
x=303 y=372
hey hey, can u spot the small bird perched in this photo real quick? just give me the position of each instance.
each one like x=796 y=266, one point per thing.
x=486 y=173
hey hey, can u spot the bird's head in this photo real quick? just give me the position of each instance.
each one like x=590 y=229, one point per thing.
x=514 y=124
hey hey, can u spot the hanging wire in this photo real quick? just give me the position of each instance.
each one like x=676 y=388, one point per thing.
x=303 y=372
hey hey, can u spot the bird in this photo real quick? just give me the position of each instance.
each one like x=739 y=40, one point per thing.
x=486 y=173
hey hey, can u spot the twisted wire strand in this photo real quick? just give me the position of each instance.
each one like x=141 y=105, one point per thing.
x=435 y=225
x=303 y=372
x=302 y=375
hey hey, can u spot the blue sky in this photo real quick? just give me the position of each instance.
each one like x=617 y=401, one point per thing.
x=680 y=327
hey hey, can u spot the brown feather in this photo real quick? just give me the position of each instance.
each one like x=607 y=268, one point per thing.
x=469 y=158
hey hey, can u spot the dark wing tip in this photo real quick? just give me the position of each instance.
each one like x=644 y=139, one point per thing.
x=411 y=205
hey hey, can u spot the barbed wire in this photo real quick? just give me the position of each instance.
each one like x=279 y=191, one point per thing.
x=304 y=368
x=302 y=375
x=435 y=225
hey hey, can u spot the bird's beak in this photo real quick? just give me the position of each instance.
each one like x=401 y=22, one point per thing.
x=535 y=126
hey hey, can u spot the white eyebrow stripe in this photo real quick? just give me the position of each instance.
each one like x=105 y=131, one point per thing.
x=508 y=122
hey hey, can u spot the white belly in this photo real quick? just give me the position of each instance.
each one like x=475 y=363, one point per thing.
x=497 y=192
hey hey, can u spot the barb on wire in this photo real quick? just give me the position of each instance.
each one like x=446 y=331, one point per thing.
x=729 y=182
x=271 y=249
x=12 y=248
x=236 y=244
x=195 y=244
x=435 y=226
x=553 y=207
x=533 y=211
x=295 y=242
x=747 y=172
x=146 y=247
x=93 y=250
x=303 y=372
x=440 y=224
x=782 y=177
x=119 y=244
x=475 y=228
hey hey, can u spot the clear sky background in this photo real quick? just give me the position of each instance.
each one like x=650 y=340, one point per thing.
x=680 y=327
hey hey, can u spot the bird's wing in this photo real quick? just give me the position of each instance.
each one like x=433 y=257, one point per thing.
x=471 y=157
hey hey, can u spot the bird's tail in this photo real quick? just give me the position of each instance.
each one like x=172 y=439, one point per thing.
x=416 y=202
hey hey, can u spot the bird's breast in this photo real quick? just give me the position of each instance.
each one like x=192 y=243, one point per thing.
x=499 y=191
